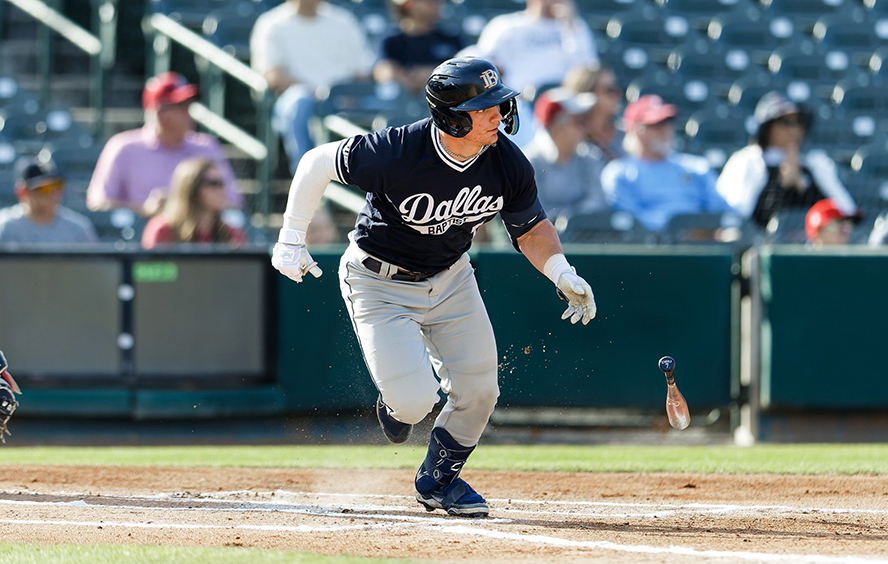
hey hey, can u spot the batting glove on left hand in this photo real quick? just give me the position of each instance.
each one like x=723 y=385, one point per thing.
x=578 y=295
x=291 y=258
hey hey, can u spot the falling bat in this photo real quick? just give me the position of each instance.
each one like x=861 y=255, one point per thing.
x=676 y=406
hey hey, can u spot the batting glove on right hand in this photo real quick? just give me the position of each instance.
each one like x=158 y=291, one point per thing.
x=291 y=258
x=578 y=295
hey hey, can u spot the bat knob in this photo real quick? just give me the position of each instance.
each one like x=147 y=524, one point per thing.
x=667 y=364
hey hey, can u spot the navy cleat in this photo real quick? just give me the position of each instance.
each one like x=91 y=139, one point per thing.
x=438 y=485
x=395 y=431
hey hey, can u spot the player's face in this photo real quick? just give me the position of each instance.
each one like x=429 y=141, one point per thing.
x=485 y=126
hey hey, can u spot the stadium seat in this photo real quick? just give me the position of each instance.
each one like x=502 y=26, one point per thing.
x=710 y=229
x=190 y=13
x=360 y=102
x=715 y=134
x=230 y=28
x=804 y=13
x=870 y=177
x=117 y=225
x=745 y=93
x=719 y=67
x=787 y=227
x=603 y=227
x=30 y=132
x=859 y=95
x=807 y=65
x=655 y=35
x=688 y=95
x=598 y=12
x=851 y=33
x=700 y=12
x=842 y=137
x=758 y=36
x=877 y=8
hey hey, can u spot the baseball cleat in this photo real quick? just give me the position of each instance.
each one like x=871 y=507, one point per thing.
x=395 y=431
x=457 y=498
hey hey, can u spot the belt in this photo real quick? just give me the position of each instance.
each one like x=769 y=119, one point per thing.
x=374 y=265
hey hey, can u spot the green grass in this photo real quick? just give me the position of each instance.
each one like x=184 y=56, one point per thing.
x=808 y=459
x=103 y=554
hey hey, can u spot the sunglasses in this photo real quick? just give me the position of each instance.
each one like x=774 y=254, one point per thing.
x=48 y=188
x=788 y=121
x=213 y=182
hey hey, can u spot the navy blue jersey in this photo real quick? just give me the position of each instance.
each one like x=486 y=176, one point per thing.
x=415 y=50
x=423 y=206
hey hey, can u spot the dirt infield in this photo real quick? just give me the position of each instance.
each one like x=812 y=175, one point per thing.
x=535 y=517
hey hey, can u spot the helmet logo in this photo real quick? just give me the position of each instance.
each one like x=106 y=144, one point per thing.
x=490 y=79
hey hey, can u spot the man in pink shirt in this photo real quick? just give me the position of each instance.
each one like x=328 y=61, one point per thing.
x=135 y=167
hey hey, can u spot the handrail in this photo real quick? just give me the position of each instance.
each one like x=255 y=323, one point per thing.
x=263 y=148
x=99 y=48
x=61 y=25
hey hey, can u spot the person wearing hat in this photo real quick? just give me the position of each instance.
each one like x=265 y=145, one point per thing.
x=568 y=170
x=135 y=166
x=827 y=224
x=39 y=216
x=653 y=182
x=772 y=173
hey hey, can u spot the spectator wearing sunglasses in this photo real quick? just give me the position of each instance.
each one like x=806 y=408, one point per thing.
x=39 y=216
x=193 y=211
x=773 y=173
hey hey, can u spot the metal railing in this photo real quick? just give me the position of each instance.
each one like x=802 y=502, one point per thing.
x=101 y=49
x=263 y=147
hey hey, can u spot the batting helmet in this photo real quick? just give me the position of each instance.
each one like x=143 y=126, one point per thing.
x=464 y=85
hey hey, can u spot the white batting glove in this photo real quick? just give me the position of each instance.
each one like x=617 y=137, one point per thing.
x=572 y=289
x=291 y=258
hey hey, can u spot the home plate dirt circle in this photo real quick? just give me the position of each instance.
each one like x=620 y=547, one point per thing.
x=535 y=517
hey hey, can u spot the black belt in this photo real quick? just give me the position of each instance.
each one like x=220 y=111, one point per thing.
x=374 y=265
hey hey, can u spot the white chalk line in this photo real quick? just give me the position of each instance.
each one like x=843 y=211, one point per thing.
x=475 y=532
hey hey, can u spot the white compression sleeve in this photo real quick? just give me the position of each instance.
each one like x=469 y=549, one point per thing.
x=316 y=169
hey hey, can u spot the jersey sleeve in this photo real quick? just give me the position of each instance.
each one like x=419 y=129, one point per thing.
x=522 y=210
x=367 y=161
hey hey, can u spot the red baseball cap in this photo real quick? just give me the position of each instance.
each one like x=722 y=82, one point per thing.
x=647 y=110
x=559 y=101
x=166 y=89
x=824 y=212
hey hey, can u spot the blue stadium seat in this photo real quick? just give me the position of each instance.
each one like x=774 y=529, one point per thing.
x=842 y=137
x=820 y=72
x=603 y=227
x=745 y=93
x=859 y=95
x=230 y=28
x=759 y=37
x=655 y=35
x=30 y=132
x=361 y=101
x=719 y=67
x=870 y=182
x=688 y=95
x=599 y=12
x=700 y=12
x=715 y=134
x=805 y=12
x=852 y=33
x=191 y=13
x=710 y=229
x=787 y=227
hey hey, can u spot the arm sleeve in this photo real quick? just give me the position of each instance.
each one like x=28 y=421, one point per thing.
x=316 y=169
x=823 y=169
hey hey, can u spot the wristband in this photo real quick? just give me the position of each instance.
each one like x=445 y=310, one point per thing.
x=291 y=237
x=555 y=267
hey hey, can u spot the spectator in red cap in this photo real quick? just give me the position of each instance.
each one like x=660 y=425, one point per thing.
x=568 y=170
x=135 y=167
x=827 y=224
x=772 y=173
x=653 y=182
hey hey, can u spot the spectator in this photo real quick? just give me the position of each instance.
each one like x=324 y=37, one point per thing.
x=536 y=47
x=135 y=167
x=193 y=211
x=39 y=216
x=826 y=224
x=568 y=170
x=879 y=234
x=300 y=46
x=415 y=46
x=772 y=173
x=653 y=183
x=601 y=127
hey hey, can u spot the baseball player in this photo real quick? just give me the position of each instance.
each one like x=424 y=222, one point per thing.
x=405 y=277
x=7 y=399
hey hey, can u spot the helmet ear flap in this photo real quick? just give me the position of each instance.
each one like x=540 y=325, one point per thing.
x=451 y=122
x=509 y=111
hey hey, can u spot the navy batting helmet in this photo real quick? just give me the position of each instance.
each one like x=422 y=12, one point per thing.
x=464 y=85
